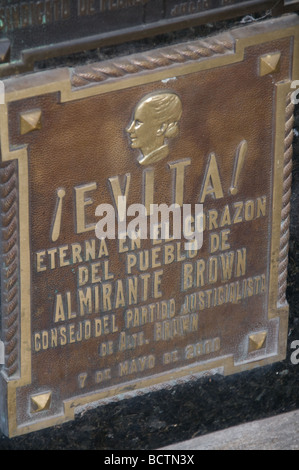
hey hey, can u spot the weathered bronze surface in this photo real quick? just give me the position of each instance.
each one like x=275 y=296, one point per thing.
x=85 y=320
x=35 y=31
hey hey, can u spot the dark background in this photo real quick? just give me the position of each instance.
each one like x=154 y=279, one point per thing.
x=200 y=406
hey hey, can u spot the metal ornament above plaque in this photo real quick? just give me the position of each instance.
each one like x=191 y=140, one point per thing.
x=86 y=319
x=35 y=31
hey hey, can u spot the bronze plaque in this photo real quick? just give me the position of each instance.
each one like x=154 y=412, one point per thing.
x=34 y=31
x=86 y=319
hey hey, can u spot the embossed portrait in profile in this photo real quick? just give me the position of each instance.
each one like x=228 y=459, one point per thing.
x=155 y=120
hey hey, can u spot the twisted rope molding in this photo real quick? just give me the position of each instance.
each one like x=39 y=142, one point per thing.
x=164 y=57
x=10 y=265
x=286 y=204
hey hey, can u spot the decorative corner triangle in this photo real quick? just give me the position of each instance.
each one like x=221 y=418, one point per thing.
x=30 y=121
x=270 y=63
x=41 y=402
x=256 y=341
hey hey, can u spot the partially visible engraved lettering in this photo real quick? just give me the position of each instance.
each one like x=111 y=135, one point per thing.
x=113 y=5
x=26 y=14
x=198 y=6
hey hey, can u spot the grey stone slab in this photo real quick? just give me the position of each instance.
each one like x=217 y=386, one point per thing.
x=276 y=433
